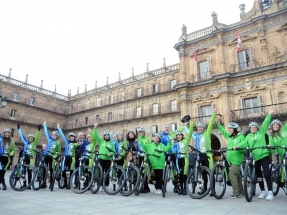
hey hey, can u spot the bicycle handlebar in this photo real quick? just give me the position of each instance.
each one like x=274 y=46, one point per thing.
x=127 y=150
x=154 y=155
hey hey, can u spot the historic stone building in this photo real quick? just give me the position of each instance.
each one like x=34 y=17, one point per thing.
x=241 y=79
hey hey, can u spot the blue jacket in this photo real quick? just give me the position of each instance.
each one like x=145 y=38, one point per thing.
x=165 y=138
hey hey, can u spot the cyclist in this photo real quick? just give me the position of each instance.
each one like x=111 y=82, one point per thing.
x=107 y=150
x=256 y=138
x=165 y=138
x=52 y=151
x=181 y=146
x=157 y=163
x=235 y=158
x=29 y=147
x=70 y=150
x=278 y=133
x=7 y=149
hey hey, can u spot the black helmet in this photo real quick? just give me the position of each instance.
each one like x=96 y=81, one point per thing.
x=185 y=119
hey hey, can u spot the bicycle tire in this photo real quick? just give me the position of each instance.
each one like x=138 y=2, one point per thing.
x=249 y=182
x=132 y=180
x=143 y=176
x=55 y=174
x=61 y=182
x=41 y=177
x=81 y=179
x=111 y=178
x=166 y=176
x=17 y=181
x=275 y=178
x=218 y=177
x=192 y=183
x=97 y=179
x=285 y=178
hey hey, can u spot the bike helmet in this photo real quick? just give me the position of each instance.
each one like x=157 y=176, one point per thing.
x=178 y=132
x=31 y=135
x=276 y=121
x=185 y=119
x=200 y=124
x=119 y=133
x=7 y=130
x=106 y=132
x=158 y=135
x=141 y=129
x=253 y=124
x=88 y=135
x=72 y=134
x=233 y=125
x=55 y=133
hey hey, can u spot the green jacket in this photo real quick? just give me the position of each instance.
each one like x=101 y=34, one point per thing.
x=122 y=152
x=233 y=157
x=104 y=146
x=30 y=147
x=144 y=140
x=157 y=163
x=279 y=140
x=258 y=139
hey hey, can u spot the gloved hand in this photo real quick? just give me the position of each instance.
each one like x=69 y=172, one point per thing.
x=18 y=126
x=39 y=127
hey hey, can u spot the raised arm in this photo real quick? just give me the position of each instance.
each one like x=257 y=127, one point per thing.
x=266 y=122
x=48 y=136
x=222 y=131
x=24 y=140
x=190 y=131
x=96 y=134
x=211 y=123
x=64 y=138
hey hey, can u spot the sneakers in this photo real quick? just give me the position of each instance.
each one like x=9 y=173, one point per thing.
x=4 y=187
x=262 y=195
x=184 y=192
x=101 y=189
x=201 y=192
x=159 y=192
x=156 y=192
x=234 y=196
x=270 y=197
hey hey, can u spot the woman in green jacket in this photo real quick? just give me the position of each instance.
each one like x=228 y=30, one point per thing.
x=278 y=133
x=235 y=158
x=256 y=138
x=157 y=162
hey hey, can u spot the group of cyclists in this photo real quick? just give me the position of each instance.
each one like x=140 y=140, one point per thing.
x=123 y=148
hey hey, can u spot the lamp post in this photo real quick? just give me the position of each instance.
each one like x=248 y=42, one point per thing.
x=3 y=101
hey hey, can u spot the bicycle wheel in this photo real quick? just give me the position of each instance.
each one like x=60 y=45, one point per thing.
x=275 y=178
x=81 y=179
x=111 y=182
x=218 y=181
x=61 y=183
x=198 y=182
x=97 y=179
x=56 y=172
x=143 y=176
x=40 y=177
x=132 y=180
x=165 y=180
x=18 y=179
x=249 y=182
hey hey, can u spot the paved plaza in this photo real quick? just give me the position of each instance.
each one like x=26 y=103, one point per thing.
x=66 y=202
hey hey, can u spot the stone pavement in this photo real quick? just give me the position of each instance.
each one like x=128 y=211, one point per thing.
x=66 y=202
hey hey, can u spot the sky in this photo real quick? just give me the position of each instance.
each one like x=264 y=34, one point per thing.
x=70 y=43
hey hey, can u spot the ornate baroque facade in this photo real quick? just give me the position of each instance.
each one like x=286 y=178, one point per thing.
x=241 y=85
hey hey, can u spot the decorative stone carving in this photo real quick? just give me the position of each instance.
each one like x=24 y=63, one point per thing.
x=243 y=38
x=276 y=56
x=248 y=84
x=283 y=28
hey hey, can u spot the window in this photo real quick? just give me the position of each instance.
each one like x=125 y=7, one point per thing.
x=173 y=126
x=123 y=96
x=155 y=88
x=173 y=105
x=139 y=92
x=98 y=118
x=13 y=113
x=138 y=111
x=99 y=102
x=154 y=130
x=172 y=83
x=251 y=105
x=203 y=70
x=15 y=96
x=154 y=108
x=87 y=120
x=32 y=101
x=244 y=59
x=12 y=132
x=110 y=116
x=205 y=111
x=110 y=99
x=76 y=123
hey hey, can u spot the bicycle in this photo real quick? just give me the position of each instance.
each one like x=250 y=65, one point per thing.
x=98 y=174
x=19 y=177
x=220 y=175
x=82 y=177
x=114 y=176
x=198 y=178
x=57 y=172
x=146 y=172
x=278 y=172
x=132 y=174
x=41 y=173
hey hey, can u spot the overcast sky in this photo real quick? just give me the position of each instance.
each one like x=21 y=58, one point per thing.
x=70 y=43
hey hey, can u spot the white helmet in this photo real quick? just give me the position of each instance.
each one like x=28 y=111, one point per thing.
x=158 y=135
x=253 y=124
x=7 y=130
x=178 y=132
x=276 y=121
x=55 y=133
x=72 y=134
x=106 y=132
x=119 y=133
x=141 y=129
x=200 y=124
x=88 y=135
x=31 y=135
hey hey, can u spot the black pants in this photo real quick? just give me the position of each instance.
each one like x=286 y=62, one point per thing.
x=4 y=161
x=158 y=173
x=264 y=163
x=182 y=177
x=27 y=161
x=68 y=162
x=204 y=162
x=106 y=164
x=49 y=162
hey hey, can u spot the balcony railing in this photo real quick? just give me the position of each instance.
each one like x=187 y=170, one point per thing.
x=245 y=65
x=280 y=111
x=121 y=115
